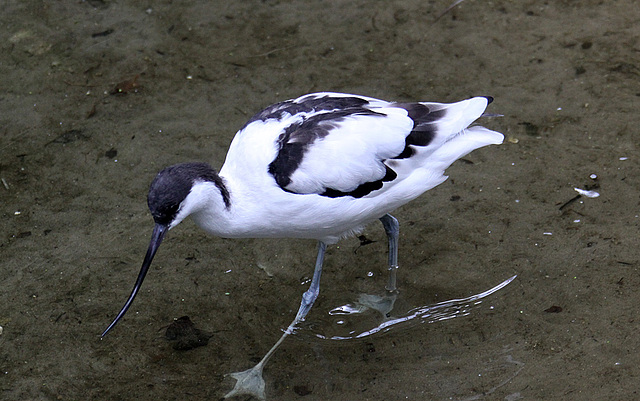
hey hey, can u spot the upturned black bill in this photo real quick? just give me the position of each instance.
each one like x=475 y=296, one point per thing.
x=156 y=239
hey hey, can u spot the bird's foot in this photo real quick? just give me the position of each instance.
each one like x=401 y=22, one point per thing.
x=249 y=382
x=383 y=304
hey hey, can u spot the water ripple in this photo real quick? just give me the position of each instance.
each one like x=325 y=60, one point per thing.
x=424 y=314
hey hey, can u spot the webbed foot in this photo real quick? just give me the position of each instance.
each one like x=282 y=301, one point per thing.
x=249 y=382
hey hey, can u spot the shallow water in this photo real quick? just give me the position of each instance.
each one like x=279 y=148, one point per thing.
x=98 y=95
x=373 y=314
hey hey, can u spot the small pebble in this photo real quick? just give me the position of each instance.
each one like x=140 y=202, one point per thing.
x=184 y=334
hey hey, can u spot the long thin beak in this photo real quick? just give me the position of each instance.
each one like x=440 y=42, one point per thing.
x=156 y=239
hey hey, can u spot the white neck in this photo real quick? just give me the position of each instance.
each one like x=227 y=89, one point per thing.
x=205 y=204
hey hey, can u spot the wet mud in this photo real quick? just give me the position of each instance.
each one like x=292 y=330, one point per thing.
x=98 y=95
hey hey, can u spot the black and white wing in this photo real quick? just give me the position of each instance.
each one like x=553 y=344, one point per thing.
x=336 y=145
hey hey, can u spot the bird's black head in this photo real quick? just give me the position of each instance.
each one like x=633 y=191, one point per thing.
x=172 y=185
x=167 y=193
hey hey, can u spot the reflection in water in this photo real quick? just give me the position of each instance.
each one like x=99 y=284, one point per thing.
x=383 y=305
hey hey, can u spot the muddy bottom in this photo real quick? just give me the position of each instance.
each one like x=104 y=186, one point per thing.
x=98 y=95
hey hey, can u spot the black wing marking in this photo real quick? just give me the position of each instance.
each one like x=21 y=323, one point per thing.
x=308 y=104
x=299 y=136
x=323 y=114
x=424 y=127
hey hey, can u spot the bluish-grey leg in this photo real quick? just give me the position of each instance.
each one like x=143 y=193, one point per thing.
x=384 y=304
x=310 y=296
x=392 y=228
x=250 y=382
